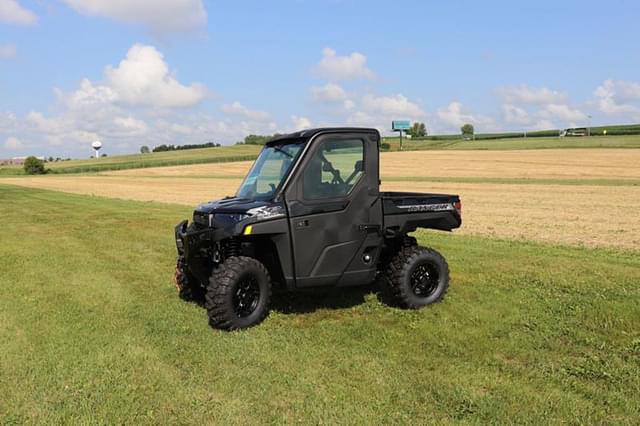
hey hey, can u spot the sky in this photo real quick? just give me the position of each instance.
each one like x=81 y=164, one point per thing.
x=147 y=72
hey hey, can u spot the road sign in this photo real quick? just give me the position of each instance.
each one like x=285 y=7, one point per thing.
x=400 y=125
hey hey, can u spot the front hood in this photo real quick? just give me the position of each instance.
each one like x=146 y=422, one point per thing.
x=230 y=212
x=232 y=205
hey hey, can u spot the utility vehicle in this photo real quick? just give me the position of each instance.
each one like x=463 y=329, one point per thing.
x=310 y=213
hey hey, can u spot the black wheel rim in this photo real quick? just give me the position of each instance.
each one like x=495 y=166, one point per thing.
x=424 y=280
x=246 y=298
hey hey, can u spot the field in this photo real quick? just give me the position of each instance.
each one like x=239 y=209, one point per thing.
x=529 y=333
x=541 y=324
x=557 y=196
x=519 y=143
x=155 y=159
x=248 y=152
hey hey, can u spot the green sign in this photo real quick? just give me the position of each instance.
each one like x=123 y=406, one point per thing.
x=400 y=125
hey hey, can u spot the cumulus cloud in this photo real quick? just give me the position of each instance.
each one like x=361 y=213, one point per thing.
x=330 y=92
x=13 y=13
x=525 y=94
x=13 y=144
x=300 y=123
x=160 y=16
x=618 y=97
x=237 y=109
x=515 y=115
x=350 y=67
x=7 y=51
x=143 y=78
x=395 y=106
x=564 y=114
x=452 y=117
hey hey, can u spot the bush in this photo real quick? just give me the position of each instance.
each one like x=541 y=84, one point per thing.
x=34 y=166
x=385 y=146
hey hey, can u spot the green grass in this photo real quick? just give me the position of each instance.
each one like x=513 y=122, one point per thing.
x=249 y=152
x=518 y=143
x=91 y=331
x=155 y=159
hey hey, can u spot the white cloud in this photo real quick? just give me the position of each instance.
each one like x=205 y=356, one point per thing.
x=454 y=116
x=351 y=67
x=300 y=123
x=515 y=115
x=13 y=144
x=143 y=78
x=618 y=97
x=240 y=110
x=160 y=16
x=392 y=107
x=330 y=92
x=7 y=51
x=13 y=13
x=524 y=94
x=564 y=114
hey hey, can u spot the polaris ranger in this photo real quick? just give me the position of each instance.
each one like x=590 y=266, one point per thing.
x=310 y=213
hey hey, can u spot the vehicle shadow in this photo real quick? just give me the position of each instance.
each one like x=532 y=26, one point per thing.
x=311 y=300
x=308 y=301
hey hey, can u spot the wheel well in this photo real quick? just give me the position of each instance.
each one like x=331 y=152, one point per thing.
x=264 y=249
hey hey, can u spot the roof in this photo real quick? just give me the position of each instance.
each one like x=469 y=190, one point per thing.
x=309 y=133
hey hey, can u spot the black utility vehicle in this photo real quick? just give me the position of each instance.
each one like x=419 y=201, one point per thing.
x=310 y=214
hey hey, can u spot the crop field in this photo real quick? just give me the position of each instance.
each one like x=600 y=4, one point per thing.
x=557 y=196
x=541 y=323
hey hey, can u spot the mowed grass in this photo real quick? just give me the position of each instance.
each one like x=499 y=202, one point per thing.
x=631 y=141
x=91 y=331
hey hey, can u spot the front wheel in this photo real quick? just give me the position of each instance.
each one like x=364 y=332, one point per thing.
x=417 y=276
x=238 y=294
x=188 y=288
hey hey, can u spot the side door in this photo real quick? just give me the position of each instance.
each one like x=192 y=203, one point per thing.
x=335 y=212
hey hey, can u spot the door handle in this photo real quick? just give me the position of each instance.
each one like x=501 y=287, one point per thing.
x=369 y=228
x=302 y=224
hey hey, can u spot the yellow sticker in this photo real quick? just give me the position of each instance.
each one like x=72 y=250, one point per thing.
x=248 y=229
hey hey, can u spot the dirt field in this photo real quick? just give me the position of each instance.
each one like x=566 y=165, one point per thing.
x=539 y=164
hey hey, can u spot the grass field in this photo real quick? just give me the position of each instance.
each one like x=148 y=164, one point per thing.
x=248 y=152
x=632 y=141
x=578 y=197
x=91 y=331
x=155 y=159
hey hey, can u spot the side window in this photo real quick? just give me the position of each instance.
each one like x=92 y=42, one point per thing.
x=335 y=168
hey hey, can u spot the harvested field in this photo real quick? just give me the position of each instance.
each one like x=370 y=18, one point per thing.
x=526 y=164
x=576 y=215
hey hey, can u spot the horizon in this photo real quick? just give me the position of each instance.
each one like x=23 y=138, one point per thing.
x=187 y=72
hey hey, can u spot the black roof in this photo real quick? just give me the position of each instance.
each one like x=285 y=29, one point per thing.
x=309 y=133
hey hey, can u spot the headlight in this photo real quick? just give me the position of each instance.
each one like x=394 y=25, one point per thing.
x=267 y=212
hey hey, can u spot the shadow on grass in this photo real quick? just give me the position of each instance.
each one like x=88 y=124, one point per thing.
x=311 y=300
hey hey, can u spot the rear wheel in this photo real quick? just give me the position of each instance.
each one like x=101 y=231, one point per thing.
x=417 y=276
x=238 y=294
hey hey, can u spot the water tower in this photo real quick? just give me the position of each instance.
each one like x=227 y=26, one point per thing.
x=96 y=147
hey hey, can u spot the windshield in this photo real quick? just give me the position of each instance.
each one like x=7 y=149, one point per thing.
x=270 y=170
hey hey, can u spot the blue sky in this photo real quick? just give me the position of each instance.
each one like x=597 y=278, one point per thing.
x=146 y=72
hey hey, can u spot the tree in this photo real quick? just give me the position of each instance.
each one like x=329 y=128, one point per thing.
x=467 y=129
x=417 y=130
x=144 y=149
x=34 y=166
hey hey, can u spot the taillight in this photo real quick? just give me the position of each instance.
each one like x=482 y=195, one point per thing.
x=458 y=206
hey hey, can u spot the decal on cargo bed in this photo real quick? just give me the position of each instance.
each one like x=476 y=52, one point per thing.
x=428 y=207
